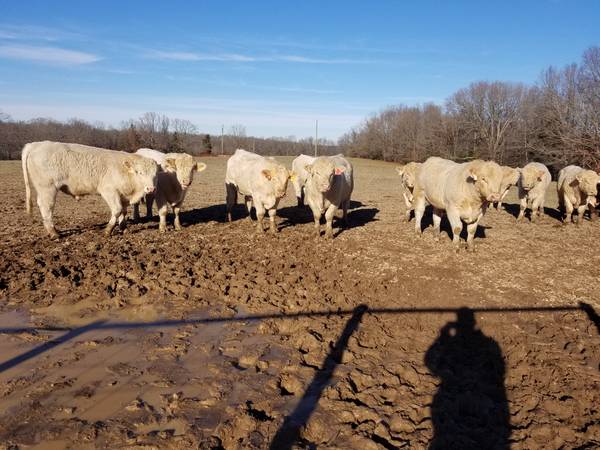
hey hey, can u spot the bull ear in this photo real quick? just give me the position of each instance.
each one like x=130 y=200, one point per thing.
x=267 y=174
x=293 y=176
x=129 y=166
x=170 y=165
x=200 y=167
x=340 y=170
x=400 y=170
x=540 y=175
x=308 y=168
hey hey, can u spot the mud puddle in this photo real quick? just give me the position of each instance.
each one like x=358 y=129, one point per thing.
x=154 y=378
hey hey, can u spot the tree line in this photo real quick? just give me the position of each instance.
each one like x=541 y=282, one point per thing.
x=555 y=121
x=151 y=130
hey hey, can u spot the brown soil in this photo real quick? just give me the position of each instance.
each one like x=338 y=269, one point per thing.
x=213 y=337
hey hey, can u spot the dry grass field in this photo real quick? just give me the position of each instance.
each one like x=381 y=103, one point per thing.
x=213 y=337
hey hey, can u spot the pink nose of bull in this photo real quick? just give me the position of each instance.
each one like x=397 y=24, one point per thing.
x=149 y=189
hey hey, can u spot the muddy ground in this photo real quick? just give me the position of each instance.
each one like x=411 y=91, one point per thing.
x=213 y=337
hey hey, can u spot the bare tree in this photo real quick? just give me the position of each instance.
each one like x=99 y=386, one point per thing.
x=485 y=112
x=237 y=135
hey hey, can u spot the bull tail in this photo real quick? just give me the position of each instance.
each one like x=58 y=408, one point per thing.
x=24 y=157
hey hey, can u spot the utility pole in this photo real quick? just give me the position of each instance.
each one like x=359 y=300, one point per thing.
x=222 y=130
x=253 y=144
x=316 y=136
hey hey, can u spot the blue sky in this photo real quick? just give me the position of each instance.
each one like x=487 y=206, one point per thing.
x=273 y=67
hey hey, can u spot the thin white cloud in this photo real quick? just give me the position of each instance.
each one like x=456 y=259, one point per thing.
x=33 y=33
x=190 y=56
x=305 y=60
x=236 y=57
x=52 y=55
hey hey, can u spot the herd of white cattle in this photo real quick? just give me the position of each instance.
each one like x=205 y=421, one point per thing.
x=461 y=191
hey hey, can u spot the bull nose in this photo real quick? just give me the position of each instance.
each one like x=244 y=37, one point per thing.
x=494 y=198
x=149 y=189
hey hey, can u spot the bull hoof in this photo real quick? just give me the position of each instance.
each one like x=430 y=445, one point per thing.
x=162 y=230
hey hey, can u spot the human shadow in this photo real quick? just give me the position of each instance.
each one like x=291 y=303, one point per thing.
x=470 y=408
x=288 y=433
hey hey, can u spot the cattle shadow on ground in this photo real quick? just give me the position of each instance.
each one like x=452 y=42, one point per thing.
x=427 y=224
x=458 y=354
x=213 y=213
x=82 y=229
x=514 y=209
x=357 y=217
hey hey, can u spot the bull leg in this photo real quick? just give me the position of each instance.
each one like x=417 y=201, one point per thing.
x=408 y=204
x=260 y=214
x=149 y=201
x=231 y=198
x=248 y=201
x=419 y=205
x=456 y=225
x=568 y=210
x=46 y=199
x=177 y=222
x=437 y=220
x=523 y=207
x=122 y=218
x=471 y=230
x=542 y=213
x=535 y=209
x=317 y=219
x=116 y=208
x=329 y=214
x=580 y=212
x=499 y=204
x=136 y=211
x=272 y=226
x=345 y=207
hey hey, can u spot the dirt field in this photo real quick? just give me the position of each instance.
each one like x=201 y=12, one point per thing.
x=213 y=337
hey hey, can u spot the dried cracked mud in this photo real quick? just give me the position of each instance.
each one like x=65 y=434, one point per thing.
x=213 y=337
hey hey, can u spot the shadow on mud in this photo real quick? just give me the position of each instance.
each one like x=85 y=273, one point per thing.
x=427 y=223
x=469 y=409
x=357 y=217
x=514 y=209
x=213 y=213
x=592 y=314
x=289 y=432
